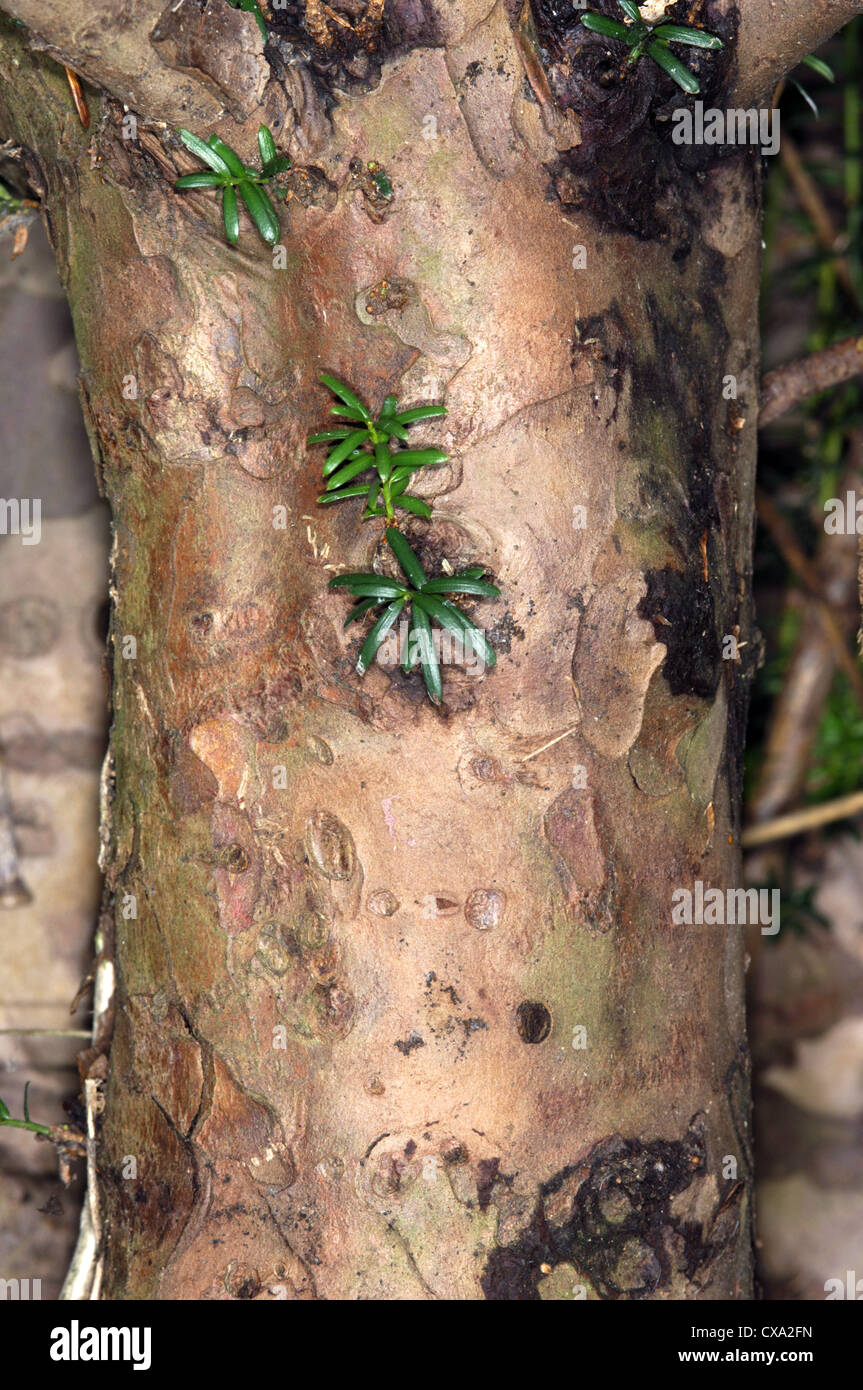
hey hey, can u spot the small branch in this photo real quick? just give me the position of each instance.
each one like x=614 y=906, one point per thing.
x=809 y=197
x=796 y=711
x=786 y=386
x=775 y=35
x=809 y=818
x=802 y=566
x=536 y=752
x=44 y=1033
x=13 y=890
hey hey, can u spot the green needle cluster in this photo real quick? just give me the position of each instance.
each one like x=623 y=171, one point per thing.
x=7 y=1121
x=371 y=447
x=427 y=599
x=653 y=39
x=227 y=171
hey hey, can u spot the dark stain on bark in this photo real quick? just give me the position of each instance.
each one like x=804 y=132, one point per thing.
x=738 y=1087
x=674 y=356
x=344 y=49
x=627 y=172
x=604 y=338
x=682 y=611
x=610 y=1216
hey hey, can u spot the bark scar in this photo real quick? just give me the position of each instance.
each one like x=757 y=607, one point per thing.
x=615 y=658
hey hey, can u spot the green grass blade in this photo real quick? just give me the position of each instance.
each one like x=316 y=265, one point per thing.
x=680 y=33
x=415 y=505
x=419 y=458
x=406 y=557
x=345 y=394
x=609 y=28
x=203 y=152
x=805 y=95
x=326 y=436
x=673 y=66
x=212 y=180
x=459 y=584
x=420 y=412
x=341 y=451
x=369 y=648
x=261 y=211
x=266 y=145
x=230 y=215
x=818 y=65
x=452 y=618
x=427 y=655
x=349 y=472
x=344 y=494
x=231 y=158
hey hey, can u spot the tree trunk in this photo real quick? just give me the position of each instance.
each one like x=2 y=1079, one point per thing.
x=400 y=1009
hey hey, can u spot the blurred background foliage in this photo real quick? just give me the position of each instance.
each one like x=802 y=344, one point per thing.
x=805 y=735
x=811 y=297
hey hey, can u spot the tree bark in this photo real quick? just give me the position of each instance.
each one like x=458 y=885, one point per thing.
x=410 y=1018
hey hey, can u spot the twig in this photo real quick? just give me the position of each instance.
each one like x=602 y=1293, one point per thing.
x=536 y=752
x=44 y=1032
x=809 y=198
x=802 y=566
x=808 y=818
x=787 y=386
x=78 y=98
x=796 y=712
x=13 y=890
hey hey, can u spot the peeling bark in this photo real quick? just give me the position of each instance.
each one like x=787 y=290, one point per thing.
x=403 y=1013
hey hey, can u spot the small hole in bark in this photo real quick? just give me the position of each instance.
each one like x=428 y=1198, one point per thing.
x=533 y=1021
x=235 y=859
